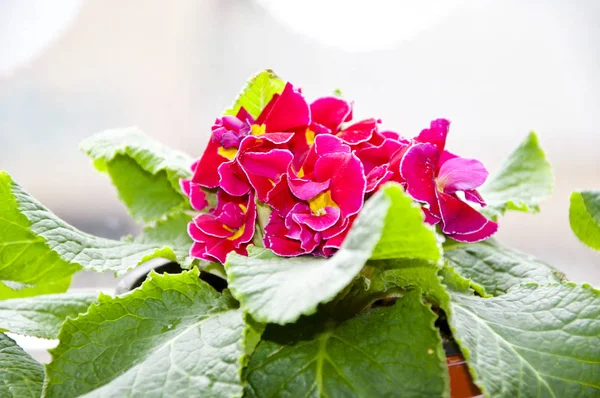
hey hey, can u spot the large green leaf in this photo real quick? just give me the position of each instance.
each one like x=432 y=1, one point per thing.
x=257 y=93
x=174 y=336
x=386 y=352
x=497 y=268
x=42 y=316
x=534 y=341
x=277 y=290
x=584 y=215
x=145 y=173
x=37 y=247
x=20 y=375
x=523 y=181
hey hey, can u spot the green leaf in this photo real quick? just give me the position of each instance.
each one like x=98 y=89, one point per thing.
x=534 y=341
x=584 y=216
x=496 y=268
x=42 y=316
x=523 y=181
x=386 y=352
x=20 y=375
x=38 y=247
x=12 y=289
x=174 y=336
x=145 y=173
x=172 y=231
x=257 y=93
x=391 y=278
x=405 y=234
x=277 y=290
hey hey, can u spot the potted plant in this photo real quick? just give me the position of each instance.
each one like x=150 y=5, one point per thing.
x=304 y=254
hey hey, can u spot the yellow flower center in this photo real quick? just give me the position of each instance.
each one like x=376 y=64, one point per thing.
x=227 y=153
x=310 y=136
x=320 y=202
x=240 y=231
x=257 y=130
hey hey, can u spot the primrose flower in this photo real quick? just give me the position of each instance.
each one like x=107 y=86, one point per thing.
x=286 y=112
x=228 y=227
x=329 y=188
x=310 y=169
x=435 y=176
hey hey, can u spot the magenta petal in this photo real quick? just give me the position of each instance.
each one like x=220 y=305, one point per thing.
x=289 y=111
x=197 y=197
x=231 y=215
x=185 y=186
x=244 y=115
x=233 y=180
x=280 y=197
x=309 y=240
x=205 y=172
x=488 y=230
x=475 y=197
x=458 y=217
x=267 y=164
x=327 y=143
x=264 y=169
x=206 y=224
x=319 y=223
x=330 y=112
x=377 y=177
x=417 y=168
x=436 y=133
x=275 y=239
x=348 y=181
x=198 y=250
x=359 y=132
x=306 y=189
x=460 y=174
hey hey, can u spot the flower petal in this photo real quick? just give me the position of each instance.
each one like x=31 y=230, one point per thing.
x=206 y=173
x=321 y=222
x=358 y=132
x=330 y=112
x=280 y=197
x=289 y=111
x=436 y=133
x=458 y=217
x=488 y=230
x=475 y=197
x=264 y=169
x=347 y=180
x=460 y=174
x=417 y=168
x=233 y=179
x=276 y=240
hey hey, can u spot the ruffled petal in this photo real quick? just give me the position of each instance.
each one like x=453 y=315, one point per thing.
x=233 y=179
x=276 y=240
x=206 y=173
x=289 y=112
x=475 y=197
x=460 y=174
x=321 y=222
x=347 y=180
x=436 y=133
x=264 y=169
x=358 y=132
x=330 y=112
x=417 y=168
x=458 y=218
x=488 y=230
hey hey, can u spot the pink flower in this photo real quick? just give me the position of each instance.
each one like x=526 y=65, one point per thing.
x=434 y=176
x=229 y=227
x=287 y=112
x=329 y=188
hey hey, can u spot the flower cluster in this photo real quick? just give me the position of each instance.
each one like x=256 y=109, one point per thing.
x=312 y=168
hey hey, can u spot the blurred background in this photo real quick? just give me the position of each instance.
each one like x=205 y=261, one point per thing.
x=71 y=68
